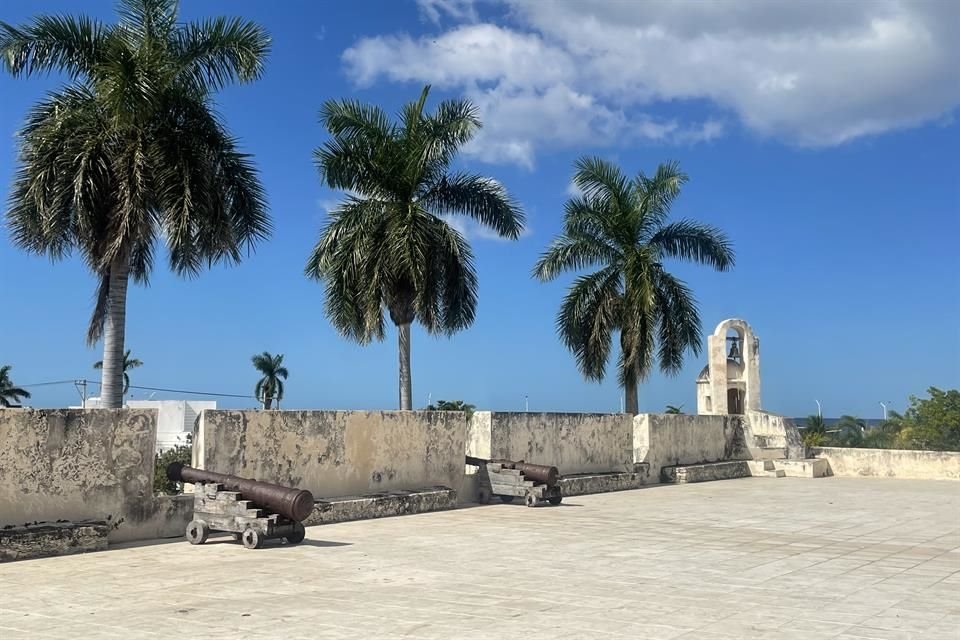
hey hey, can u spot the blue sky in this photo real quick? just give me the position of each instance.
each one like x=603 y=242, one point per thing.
x=821 y=139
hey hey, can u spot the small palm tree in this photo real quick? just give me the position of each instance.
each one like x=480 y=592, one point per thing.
x=850 y=431
x=131 y=153
x=270 y=386
x=674 y=409
x=620 y=225
x=815 y=431
x=128 y=364
x=389 y=248
x=10 y=394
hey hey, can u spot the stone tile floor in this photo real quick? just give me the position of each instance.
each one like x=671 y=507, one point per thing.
x=788 y=558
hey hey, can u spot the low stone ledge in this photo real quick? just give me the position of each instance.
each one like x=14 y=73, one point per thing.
x=382 y=505
x=44 y=539
x=686 y=474
x=809 y=468
x=587 y=483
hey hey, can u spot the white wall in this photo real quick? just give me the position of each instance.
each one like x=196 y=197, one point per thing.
x=175 y=418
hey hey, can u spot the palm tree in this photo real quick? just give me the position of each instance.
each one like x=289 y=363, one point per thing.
x=128 y=364
x=850 y=431
x=815 y=432
x=674 y=409
x=270 y=385
x=10 y=394
x=131 y=153
x=620 y=225
x=389 y=246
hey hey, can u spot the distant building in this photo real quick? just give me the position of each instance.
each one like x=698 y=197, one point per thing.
x=175 y=418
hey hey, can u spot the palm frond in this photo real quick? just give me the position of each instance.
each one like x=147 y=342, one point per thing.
x=695 y=242
x=217 y=52
x=482 y=199
x=53 y=43
x=678 y=321
x=589 y=314
x=657 y=193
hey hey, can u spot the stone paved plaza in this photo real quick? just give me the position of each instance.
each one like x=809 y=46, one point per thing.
x=755 y=558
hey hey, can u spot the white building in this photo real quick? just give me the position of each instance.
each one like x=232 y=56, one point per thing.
x=175 y=418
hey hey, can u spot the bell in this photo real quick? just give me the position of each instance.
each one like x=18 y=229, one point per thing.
x=734 y=349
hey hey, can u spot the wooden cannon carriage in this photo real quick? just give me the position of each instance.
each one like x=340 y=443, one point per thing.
x=536 y=484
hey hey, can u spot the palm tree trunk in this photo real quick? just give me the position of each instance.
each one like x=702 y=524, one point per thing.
x=406 y=383
x=267 y=401
x=631 y=402
x=114 y=331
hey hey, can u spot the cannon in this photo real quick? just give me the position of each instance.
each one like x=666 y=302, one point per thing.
x=252 y=510
x=507 y=479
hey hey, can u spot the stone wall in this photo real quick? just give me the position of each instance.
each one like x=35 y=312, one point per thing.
x=573 y=442
x=891 y=463
x=335 y=453
x=665 y=440
x=96 y=464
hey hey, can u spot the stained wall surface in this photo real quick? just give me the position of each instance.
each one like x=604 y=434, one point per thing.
x=74 y=464
x=573 y=442
x=335 y=453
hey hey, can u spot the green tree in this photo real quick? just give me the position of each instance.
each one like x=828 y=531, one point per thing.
x=930 y=423
x=10 y=394
x=389 y=247
x=848 y=432
x=270 y=386
x=452 y=405
x=128 y=364
x=131 y=153
x=620 y=225
x=182 y=453
x=815 y=431
x=674 y=409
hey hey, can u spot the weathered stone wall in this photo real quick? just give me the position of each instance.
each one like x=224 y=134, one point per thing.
x=891 y=463
x=71 y=464
x=665 y=440
x=335 y=453
x=573 y=442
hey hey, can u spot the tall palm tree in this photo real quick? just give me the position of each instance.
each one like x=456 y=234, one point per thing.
x=131 y=154
x=270 y=385
x=389 y=247
x=10 y=394
x=620 y=225
x=128 y=364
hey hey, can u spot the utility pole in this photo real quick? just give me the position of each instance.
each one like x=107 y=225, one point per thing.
x=81 y=386
x=526 y=403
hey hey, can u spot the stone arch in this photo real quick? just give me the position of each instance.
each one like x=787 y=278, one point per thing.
x=730 y=383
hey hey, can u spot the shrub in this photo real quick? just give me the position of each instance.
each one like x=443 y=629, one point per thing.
x=182 y=453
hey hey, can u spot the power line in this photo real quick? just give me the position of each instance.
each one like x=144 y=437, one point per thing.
x=133 y=386
x=47 y=384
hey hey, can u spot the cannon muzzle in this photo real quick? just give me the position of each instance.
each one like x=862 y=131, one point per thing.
x=295 y=504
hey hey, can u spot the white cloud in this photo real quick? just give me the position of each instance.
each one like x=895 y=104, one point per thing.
x=591 y=72
x=434 y=10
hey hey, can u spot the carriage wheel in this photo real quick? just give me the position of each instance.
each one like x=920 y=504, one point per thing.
x=532 y=500
x=252 y=539
x=197 y=532
x=555 y=499
x=299 y=533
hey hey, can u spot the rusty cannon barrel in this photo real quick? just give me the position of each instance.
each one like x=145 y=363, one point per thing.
x=548 y=475
x=295 y=504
